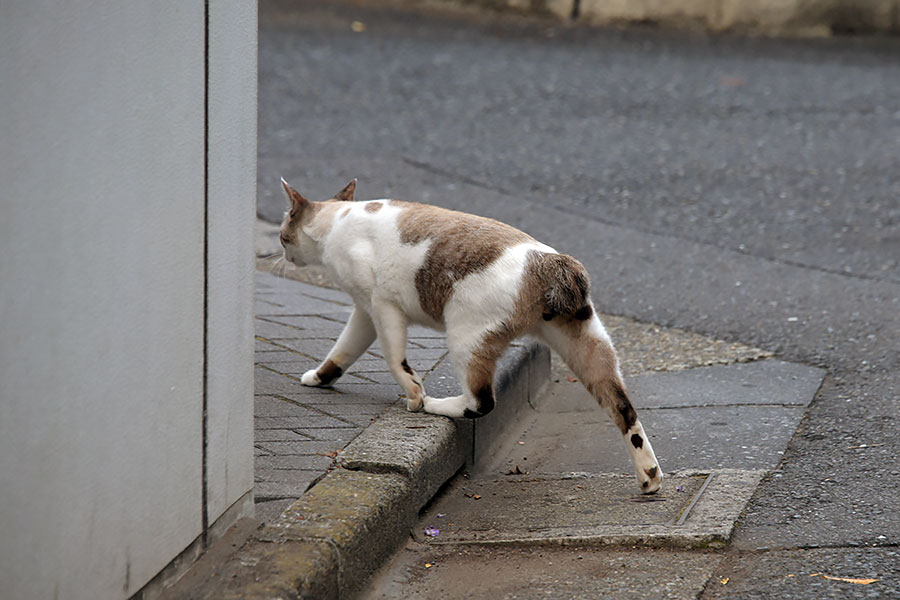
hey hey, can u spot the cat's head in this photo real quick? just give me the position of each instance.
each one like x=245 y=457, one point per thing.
x=303 y=226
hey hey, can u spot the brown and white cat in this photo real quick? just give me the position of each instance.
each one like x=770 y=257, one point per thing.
x=482 y=282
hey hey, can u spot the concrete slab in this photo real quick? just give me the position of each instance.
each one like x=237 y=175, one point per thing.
x=738 y=416
x=763 y=382
x=451 y=573
x=727 y=437
x=693 y=510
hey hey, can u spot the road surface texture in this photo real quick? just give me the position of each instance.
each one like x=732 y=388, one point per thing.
x=746 y=190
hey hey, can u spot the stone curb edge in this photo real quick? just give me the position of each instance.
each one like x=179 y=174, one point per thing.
x=331 y=540
x=790 y=18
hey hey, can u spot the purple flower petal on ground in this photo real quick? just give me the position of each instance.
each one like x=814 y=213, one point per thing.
x=432 y=531
x=680 y=488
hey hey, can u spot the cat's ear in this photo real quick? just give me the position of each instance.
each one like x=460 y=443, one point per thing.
x=298 y=202
x=346 y=194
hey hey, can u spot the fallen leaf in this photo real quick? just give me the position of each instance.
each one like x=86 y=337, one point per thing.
x=330 y=453
x=571 y=380
x=477 y=497
x=516 y=471
x=851 y=580
x=732 y=81
x=358 y=26
x=428 y=565
x=725 y=580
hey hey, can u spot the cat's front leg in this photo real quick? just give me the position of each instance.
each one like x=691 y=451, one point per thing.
x=391 y=323
x=358 y=334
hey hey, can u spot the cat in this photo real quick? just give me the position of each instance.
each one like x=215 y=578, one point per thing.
x=481 y=281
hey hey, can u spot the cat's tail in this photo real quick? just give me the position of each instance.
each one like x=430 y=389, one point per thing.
x=566 y=286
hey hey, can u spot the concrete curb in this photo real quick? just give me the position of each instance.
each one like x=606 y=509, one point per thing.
x=328 y=543
x=789 y=18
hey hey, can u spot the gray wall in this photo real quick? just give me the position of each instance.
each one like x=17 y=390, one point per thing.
x=107 y=292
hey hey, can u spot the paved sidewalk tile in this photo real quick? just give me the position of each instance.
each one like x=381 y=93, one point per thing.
x=299 y=431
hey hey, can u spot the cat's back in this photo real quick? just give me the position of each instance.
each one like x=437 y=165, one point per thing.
x=419 y=254
x=452 y=237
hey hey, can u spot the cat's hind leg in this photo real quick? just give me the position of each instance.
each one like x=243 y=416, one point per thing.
x=358 y=334
x=585 y=346
x=391 y=323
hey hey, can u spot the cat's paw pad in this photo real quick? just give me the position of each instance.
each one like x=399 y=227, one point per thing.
x=311 y=378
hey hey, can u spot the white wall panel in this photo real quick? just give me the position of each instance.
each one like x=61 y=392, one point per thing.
x=101 y=293
x=231 y=217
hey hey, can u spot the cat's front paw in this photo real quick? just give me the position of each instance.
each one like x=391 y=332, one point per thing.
x=311 y=378
x=414 y=404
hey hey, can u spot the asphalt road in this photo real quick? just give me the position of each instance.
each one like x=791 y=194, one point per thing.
x=744 y=189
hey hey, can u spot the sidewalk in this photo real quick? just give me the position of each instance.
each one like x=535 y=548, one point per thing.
x=300 y=431
x=341 y=473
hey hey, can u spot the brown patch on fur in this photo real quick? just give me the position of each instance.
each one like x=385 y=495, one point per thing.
x=328 y=372
x=461 y=244
x=373 y=207
x=564 y=283
x=320 y=218
x=623 y=406
x=485 y=398
x=345 y=212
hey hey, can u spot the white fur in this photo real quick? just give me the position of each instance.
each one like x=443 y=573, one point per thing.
x=363 y=253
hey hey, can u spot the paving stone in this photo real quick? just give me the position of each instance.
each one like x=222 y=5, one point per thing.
x=277 y=355
x=306 y=448
x=269 y=510
x=366 y=365
x=309 y=464
x=268 y=490
x=264 y=346
x=263 y=306
x=284 y=462
x=771 y=382
x=316 y=348
x=271 y=406
x=309 y=322
x=279 y=435
x=276 y=331
x=269 y=383
x=436 y=343
x=343 y=434
x=313 y=419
